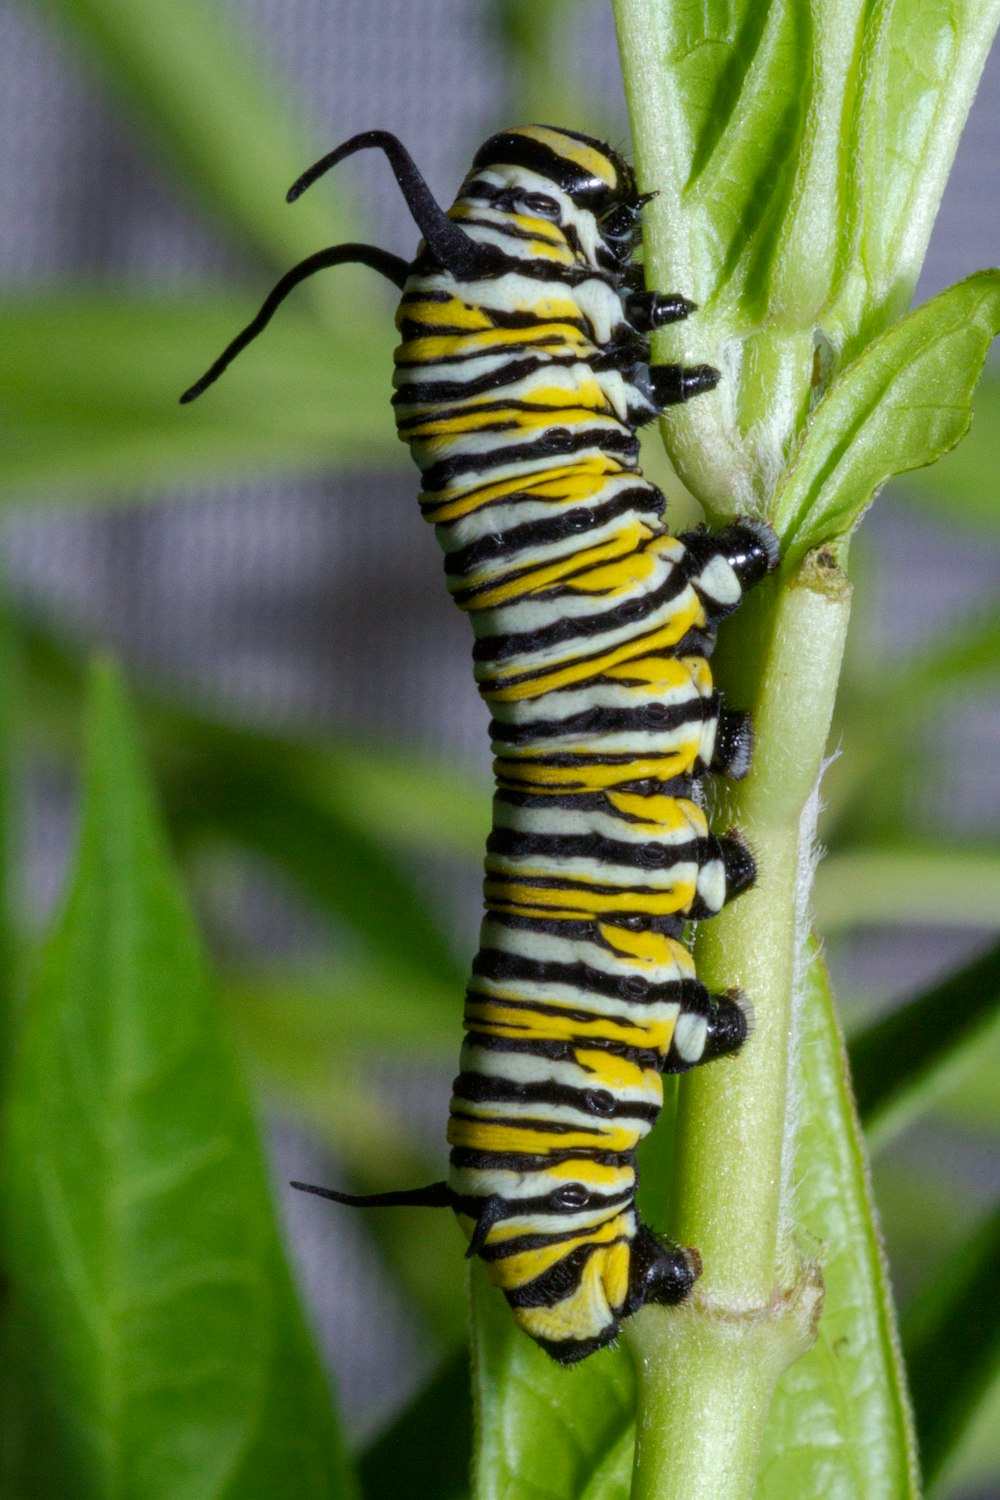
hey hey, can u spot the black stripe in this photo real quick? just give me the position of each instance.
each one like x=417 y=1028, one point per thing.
x=564 y=1051
x=495 y=963
x=577 y=1015
x=594 y=1104
x=553 y=1286
x=585 y=801
x=511 y=149
x=545 y=1203
x=433 y=393
x=695 y=643
x=634 y=610
x=536 y=267
x=648 y=855
x=640 y=498
x=552 y=443
x=650 y=718
x=476 y=1160
x=517 y=1246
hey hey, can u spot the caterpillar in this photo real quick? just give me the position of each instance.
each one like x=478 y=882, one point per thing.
x=522 y=375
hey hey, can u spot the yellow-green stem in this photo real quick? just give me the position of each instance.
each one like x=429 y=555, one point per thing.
x=706 y=1376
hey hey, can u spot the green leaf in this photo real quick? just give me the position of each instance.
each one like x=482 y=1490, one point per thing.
x=900 y=405
x=907 y=1059
x=425 y=1454
x=333 y=860
x=153 y=1346
x=952 y=1340
x=918 y=66
x=544 y=1431
x=953 y=490
x=315 y=1018
x=907 y=886
x=799 y=150
x=840 y=1424
x=89 y=387
x=211 y=102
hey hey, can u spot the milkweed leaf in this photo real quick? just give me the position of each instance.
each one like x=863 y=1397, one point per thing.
x=799 y=151
x=953 y=490
x=153 y=1347
x=546 y=1432
x=952 y=1340
x=840 y=1424
x=900 y=405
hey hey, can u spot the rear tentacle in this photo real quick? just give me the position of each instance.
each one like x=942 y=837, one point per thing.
x=435 y=1195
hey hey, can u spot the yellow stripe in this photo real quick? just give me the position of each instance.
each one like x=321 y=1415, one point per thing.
x=580 y=671
x=648 y=947
x=578 y=152
x=595 y=777
x=496 y=1019
x=482 y=1135
x=533 y=579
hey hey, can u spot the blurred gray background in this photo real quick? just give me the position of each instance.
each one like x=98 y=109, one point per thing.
x=320 y=602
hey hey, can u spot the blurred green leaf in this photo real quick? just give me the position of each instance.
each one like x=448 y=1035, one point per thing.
x=540 y=67
x=405 y=797
x=909 y=886
x=11 y=710
x=926 y=1213
x=89 y=388
x=902 y=403
x=545 y=1431
x=153 y=1346
x=970 y=1098
x=350 y=1005
x=281 y=799
x=425 y=1454
x=904 y=1061
x=952 y=1340
x=208 y=96
x=881 y=705
x=332 y=859
x=840 y=1422
x=971 y=1473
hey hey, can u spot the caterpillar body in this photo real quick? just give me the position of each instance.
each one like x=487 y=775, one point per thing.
x=522 y=374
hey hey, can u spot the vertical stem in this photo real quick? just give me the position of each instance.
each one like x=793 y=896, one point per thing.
x=706 y=1375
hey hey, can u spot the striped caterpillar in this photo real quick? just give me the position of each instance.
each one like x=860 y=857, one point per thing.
x=522 y=375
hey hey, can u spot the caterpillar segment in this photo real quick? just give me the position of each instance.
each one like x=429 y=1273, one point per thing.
x=522 y=373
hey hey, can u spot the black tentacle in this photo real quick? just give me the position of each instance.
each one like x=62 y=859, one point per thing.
x=435 y=1195
x=392 y=267
x=448 y=242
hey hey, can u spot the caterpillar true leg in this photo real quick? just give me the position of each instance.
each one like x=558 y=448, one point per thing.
x=521 y=376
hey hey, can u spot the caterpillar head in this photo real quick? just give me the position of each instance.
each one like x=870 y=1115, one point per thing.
x=579 y=183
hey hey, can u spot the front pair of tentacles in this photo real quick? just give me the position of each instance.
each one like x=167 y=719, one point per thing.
x=522 y=374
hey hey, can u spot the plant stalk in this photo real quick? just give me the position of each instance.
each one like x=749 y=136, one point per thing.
x=706 y=1376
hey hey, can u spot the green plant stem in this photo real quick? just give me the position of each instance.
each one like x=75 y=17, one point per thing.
x=706 y=1377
